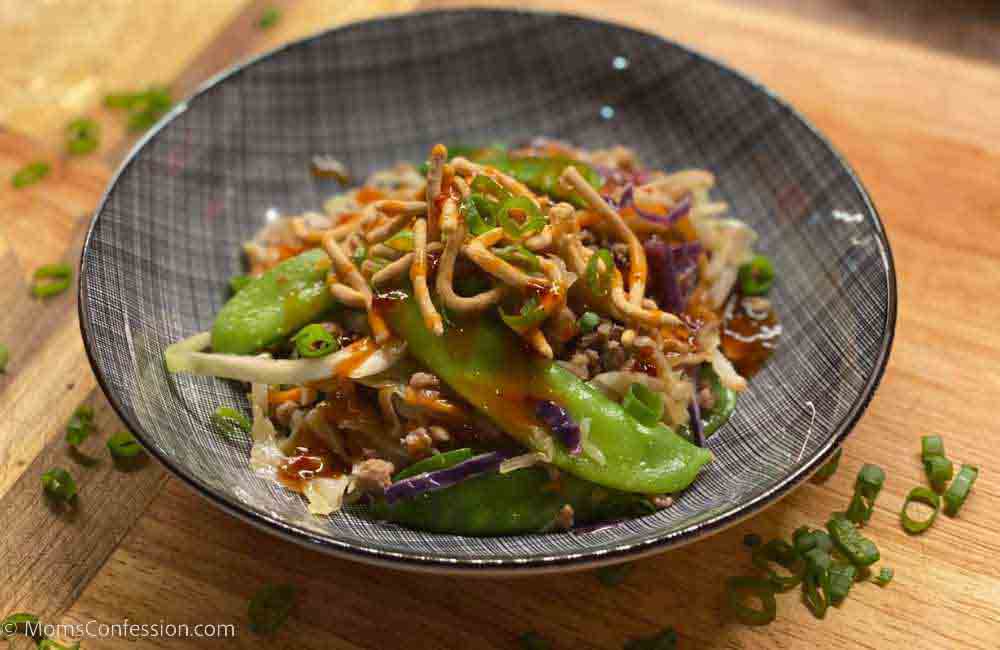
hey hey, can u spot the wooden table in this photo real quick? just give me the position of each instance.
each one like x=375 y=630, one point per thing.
x=920 y=125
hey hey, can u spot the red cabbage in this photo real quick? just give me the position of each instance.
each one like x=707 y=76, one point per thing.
x=694 y=411
x=442 y=478
x=562 y=425
x=682 y=209
x=672 y=269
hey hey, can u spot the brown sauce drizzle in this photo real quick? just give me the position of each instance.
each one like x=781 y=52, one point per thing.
x=749 y=338
x=310 y=460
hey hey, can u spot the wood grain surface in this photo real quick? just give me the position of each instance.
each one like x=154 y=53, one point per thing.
x=920 y=126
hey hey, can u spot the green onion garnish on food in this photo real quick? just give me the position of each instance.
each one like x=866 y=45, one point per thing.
x=740 y=589
x=805 y=539
x=866 y=489
x=532 y=641
x=939 y=469
x=145 y=107
x=30 y=174
x=958 y=491
x=80 y=425
x=816 y=581
x=828 y=469
x=4 y=357
x=230 y=421
x=884 y=577
x=612 y=576
x=665 y=640
x=51 y=280
x=600 y=272
x=530 y=316
x=59 y=485
x=860 y=550
x=314 y=341
x=518 y=255
x=931 y=446
x=82 y=136
x=926 y=496
x=124 y=445
x=270 y=608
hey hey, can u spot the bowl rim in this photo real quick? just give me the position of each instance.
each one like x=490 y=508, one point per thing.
x=502 y=566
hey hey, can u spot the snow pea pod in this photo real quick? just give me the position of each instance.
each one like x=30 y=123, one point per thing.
x=523 y=501
x=275 y=305
x=486 y=363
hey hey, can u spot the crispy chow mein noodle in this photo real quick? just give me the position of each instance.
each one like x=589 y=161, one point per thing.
x=364 y=332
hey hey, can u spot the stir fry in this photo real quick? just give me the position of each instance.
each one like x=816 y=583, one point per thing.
x=499 y=341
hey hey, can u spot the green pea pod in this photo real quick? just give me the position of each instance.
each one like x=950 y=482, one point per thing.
x=275 y=305
x=485 y=363
x=523 y=501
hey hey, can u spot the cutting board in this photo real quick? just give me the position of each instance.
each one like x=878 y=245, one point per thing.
x=920 y=126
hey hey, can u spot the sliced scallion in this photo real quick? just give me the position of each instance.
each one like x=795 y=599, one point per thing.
x=781 y=553
x=741 y=588
x=884 y=577
x=866 y=490
x=958 y=491
x=124 y=445
x=829 y=469
x=30 y=174
x=59 y=485
x=926 y=496
x=80 y=425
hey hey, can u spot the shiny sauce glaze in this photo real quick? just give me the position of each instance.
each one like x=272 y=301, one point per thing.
x=310 y=459
x=750 y=333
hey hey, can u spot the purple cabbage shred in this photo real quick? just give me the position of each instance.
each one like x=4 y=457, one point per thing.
x=442 y=478
x=561 y=424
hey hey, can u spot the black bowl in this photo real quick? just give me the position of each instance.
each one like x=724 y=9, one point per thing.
x=167 y=238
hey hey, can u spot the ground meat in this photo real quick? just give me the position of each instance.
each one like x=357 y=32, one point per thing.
x=619 y=250
x=613 y=357
x=706 y=398
x=374 y=475
x=587 y=238
x=438 y=434
x=662 y=501
x=564 y=520
x=418 y=443
x=424 y=380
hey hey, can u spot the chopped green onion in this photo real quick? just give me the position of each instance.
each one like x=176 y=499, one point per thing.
x=588 y=322
x=270 y=608
x=612 y=576
x=21 y=623
x=124 y=445
x=848 y=539
x=49 y=644
x=145 y=107
x=57 y=279
x=315 y=341
x=741 y=587
x=781 y=553
x=842 y=575
x=665 y=640
x=805 y=539
x=476 y=210
x=530 y=316
x=884 y=577
x=82 y=136
x=359 y=255
x=401 y=241
x=599 y=280
x=866 y=490
x=643 y=404
x=237 y=282
x=939 y=471
x=80 y=425
x=829 y=469
x=59 y=485
x=532 y=641
x=483 y=184
x=751 y=540
x=931 y=446
x=269 y=18
x=231 y=421
x=958 y=491
x=816 y=583
x=519 y=255
x=757 y=276
x=923 y=495
x=533 y=219
x=4 y=357
x=30 y=174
